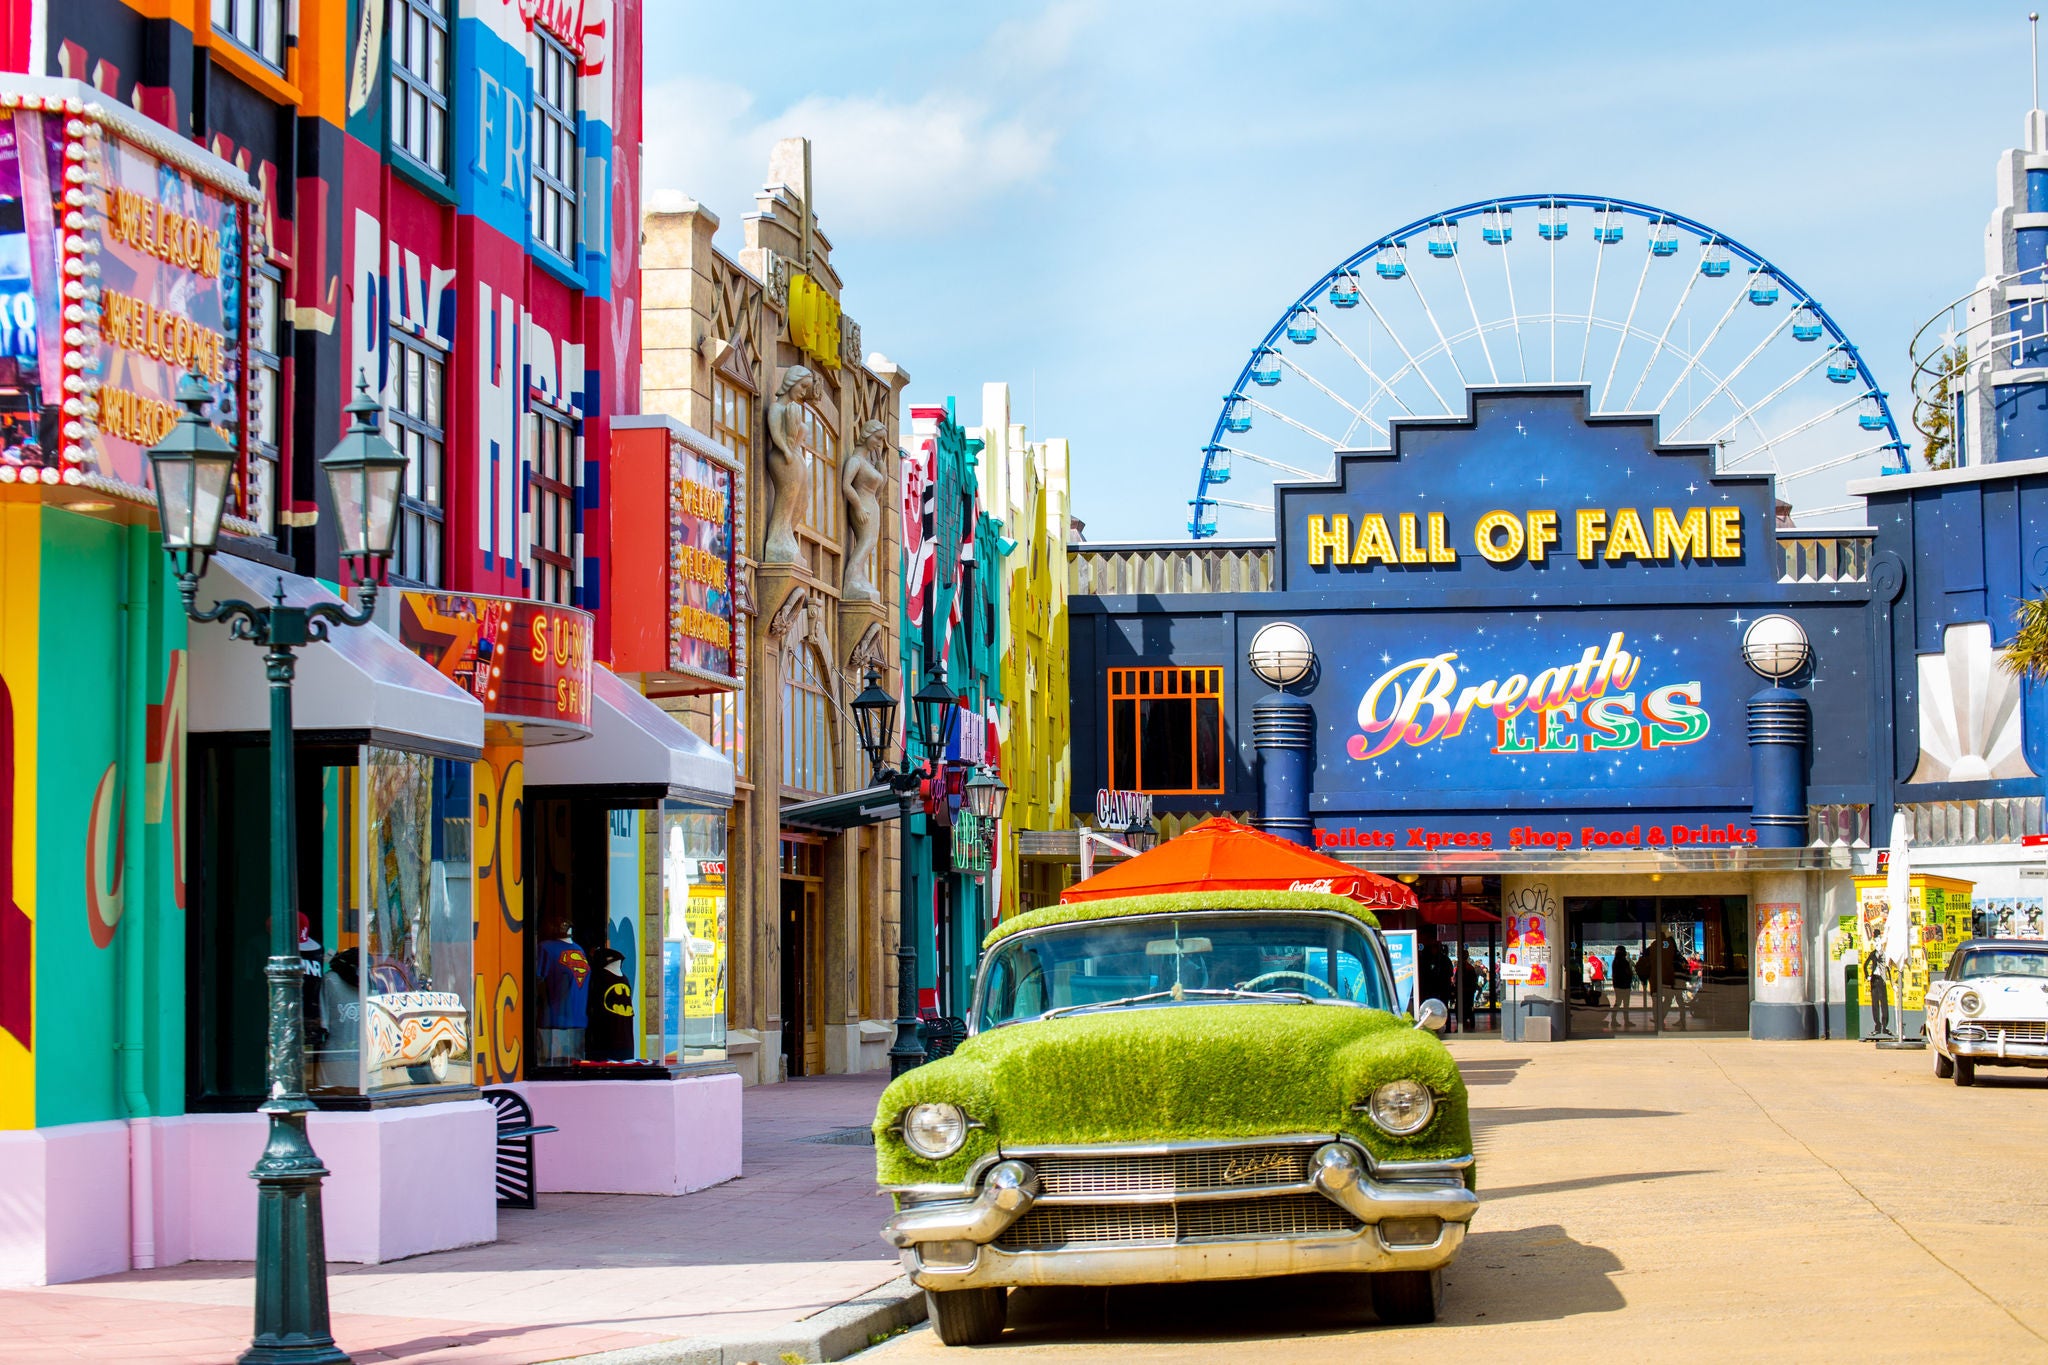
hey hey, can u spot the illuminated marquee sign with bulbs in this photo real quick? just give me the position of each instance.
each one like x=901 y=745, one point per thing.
x=127 y=270
x=529 y=663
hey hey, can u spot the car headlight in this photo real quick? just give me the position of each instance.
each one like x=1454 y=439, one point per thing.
x=1970 y=1003
x=935 y=1131
x=1402 y=1107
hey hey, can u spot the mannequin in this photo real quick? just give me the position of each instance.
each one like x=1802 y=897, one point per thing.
x=611 y=1009
x=564 y=997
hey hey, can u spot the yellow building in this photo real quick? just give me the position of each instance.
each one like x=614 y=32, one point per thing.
x=1024 y=484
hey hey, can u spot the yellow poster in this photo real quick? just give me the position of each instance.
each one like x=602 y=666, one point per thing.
x=704 y=982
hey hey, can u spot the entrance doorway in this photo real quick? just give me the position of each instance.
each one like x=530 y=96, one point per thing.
x=803 y=945
x=1657 y=964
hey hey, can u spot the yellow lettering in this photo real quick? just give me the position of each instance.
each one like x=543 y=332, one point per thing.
x=1335 y=542
x=1672 y=536
x=1373 y=542
x=1500 y=551
x=1439 y=553
x=1411 y=553
x=1724 y=532
x=1628 y=538
x=1542 y=532
x=1592 y=524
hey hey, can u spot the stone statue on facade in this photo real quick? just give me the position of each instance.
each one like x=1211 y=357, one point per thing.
x=787 y=484
x=864 y=477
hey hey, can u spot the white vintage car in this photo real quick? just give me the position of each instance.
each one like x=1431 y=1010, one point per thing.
x=1990 y=1008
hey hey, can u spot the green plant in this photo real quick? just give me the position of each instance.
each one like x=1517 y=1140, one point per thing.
x=1210 y=1071
x=1935 y=415
x=2027 y=655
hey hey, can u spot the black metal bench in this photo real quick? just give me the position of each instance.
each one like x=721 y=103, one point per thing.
x=516 y=1132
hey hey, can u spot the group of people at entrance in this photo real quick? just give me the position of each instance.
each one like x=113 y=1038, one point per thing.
x=1448 y=981
x=1660 y=971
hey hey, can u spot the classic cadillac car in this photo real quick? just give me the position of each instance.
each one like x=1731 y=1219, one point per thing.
x=1990 y=1008
x=1203 y=1086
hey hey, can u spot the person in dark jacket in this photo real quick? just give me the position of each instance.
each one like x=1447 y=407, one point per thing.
x=1621 y=977
x=1664 y=969
x=1434 y=974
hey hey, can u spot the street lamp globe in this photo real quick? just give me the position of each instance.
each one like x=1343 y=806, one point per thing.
x=874 y=716
x=938 y=714
x=364 y=473
x=191 y=468
x=1776 y=647
x=987 y=794
x=1281 y=654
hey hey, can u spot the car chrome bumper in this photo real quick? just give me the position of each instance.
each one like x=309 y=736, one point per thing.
x=2000 y=1049
x=950 y=1244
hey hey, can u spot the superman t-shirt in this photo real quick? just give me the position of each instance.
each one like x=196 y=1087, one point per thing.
x=565 y=984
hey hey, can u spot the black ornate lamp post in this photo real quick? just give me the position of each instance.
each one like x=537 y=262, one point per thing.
x=192 y=466
x=874 y=714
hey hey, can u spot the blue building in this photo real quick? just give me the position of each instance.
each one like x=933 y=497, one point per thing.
x=1581 y=688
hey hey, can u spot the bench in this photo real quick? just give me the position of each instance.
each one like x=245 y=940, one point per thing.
x=516 y=1132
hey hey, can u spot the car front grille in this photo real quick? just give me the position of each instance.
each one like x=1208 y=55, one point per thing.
x=1051 y=1227
x=2015 y=1030
x=1216 y=1168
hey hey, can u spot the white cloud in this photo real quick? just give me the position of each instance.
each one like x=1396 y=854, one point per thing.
x=881 y=164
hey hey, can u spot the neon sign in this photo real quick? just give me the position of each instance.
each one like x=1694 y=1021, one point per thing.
x=1413 y=704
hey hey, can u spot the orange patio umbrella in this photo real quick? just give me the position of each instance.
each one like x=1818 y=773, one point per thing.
x=1223 y=855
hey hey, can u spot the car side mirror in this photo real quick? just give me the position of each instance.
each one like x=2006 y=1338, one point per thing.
x=1432 y=1015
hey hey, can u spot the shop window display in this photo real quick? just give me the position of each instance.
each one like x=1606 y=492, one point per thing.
x=628 y=970
x=384 y=924
x=694 y=934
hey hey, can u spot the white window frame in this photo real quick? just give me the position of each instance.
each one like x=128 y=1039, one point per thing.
x=415 y=433
x=419 y=82
x=255 y=26
x=551 y=549
x=554 y=151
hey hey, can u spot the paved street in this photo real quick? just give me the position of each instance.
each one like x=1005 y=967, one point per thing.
x=797 y=1233
x=1666 y=1199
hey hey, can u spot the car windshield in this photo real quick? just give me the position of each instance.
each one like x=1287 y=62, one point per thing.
x=2001 y=962
x=1183 y=959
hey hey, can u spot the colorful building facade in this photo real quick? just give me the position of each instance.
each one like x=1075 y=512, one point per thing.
x=955 y=592
x=751 y=358
x=1024 y=485
x=510 y=863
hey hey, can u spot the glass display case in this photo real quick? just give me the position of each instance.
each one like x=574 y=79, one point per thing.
x=694 y=934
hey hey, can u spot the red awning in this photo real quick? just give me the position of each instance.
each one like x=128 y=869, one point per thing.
x=1455 y=912
x=1223 y=855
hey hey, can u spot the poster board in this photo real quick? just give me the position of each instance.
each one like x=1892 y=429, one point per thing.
x=1401 y=952
x=1941 y=917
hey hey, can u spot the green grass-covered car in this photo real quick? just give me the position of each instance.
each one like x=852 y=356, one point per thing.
x=1207 y=1086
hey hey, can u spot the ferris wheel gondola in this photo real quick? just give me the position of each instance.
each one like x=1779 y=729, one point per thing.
x=1652 y=331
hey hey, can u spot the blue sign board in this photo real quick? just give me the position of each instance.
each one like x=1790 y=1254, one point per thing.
x=1528 y=627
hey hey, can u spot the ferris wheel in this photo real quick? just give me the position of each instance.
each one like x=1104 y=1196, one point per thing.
x=1654 y=312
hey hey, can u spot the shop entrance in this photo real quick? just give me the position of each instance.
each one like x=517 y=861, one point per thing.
x=803 y=943
x=1657 y=964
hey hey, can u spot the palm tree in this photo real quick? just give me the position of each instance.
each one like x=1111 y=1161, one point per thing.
x=2027 y=655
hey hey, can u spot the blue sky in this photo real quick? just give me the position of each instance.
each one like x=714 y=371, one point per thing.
x=1107 y=204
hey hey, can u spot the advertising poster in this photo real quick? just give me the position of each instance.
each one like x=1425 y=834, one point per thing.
x=1527 y=956
x=1401 y=953
x=700 y=564
x=2010 y=917
x=1780 y=956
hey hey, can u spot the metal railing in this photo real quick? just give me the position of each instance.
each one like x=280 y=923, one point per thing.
x=1126 y=570
x=1825 y=558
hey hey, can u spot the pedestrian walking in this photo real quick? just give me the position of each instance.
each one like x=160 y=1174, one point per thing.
x=1622 y=973
x=1665 y=969
x=1468 y=988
